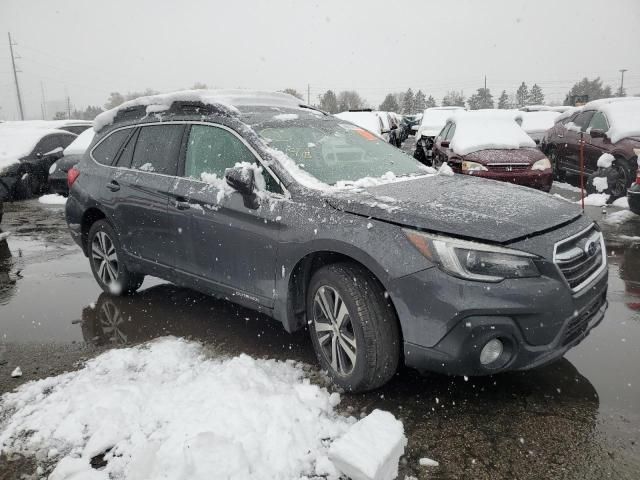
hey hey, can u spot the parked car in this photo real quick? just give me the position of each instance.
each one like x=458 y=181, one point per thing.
x=321 y=225
x=558 y=130
x=70 y=157
x=72 y=126
x=368 y=120
x=607 y=126
x=26 y=154
x=537 y=123
x=433 y=119
x=412 y=122
x=490 y=144
x=391 y=127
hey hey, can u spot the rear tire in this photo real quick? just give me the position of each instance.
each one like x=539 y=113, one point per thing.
x=624 y=178
x=353 y=327
x=107 y=261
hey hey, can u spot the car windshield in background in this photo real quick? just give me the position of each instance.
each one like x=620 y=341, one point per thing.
x=334 y=151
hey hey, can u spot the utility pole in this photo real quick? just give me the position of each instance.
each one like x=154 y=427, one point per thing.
x=66 y=92
x=15 y=76
x=308 y=94
x=622 y=70
x=44 y=102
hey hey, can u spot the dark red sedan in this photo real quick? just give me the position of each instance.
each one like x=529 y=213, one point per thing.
x=490 y=144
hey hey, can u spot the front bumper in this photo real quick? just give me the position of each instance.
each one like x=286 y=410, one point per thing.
x=633 y=195
x=538 y=320
x=538 y=179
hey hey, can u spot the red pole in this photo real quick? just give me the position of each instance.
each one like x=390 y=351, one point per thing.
x=582 y=168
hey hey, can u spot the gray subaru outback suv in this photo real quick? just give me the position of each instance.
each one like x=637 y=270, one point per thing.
x=276 y=206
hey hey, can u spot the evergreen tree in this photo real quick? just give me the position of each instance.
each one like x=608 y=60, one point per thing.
x=536 y=97
x=522 y=95
x=453 y=99
x=593 y=89
x=408 y=103
x=329 y=102
x=419 y=102
x=430 y=103
x=503 y=100
x=294 y=92
x=115 y=99
x=481 y=99
x=389 y=104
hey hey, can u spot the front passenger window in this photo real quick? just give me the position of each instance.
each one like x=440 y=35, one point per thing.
x=211 y=150
x=599 y=122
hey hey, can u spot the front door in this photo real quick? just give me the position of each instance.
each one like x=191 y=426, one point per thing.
x=596 y=146
x=225 y=241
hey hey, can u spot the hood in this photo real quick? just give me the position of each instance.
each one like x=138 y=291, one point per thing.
x=430 y=130
x=462 y=206
x=518 y=155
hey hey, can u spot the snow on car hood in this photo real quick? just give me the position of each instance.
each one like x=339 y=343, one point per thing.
x=461 y=206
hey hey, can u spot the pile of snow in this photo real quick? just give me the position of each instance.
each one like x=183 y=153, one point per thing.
x=18 y=142
x=166 y=410
x=600 y=184
x=624 y=119
x=367 y=120
x=52 y=199
x=285 y=117
x=371 y=449
x=433 y=119
x=226 y=100
x=484 y=130
x=81 y=143
x=605 y=160
x=620 y=217
x=595 y=199
x=538 y=121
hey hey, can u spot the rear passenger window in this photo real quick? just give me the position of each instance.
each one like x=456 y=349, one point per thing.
x=157 y=149
x=107 y=150
x=126 y=157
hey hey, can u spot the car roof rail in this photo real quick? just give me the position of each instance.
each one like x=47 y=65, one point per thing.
x=180 y=107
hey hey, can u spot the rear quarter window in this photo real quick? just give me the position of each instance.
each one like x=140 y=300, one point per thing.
x=108 y=148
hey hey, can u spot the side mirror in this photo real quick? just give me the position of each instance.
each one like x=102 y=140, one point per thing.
x=597 y=133
x=444 y=144
x=241 y=179
x=394 y=127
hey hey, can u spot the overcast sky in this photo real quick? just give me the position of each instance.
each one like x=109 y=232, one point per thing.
x=90 y=48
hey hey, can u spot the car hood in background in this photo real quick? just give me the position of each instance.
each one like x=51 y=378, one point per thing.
x=461 y=206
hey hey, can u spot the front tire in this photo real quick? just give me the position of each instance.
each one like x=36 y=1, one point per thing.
x=558 y=173
x=107 y=261
x=353 y=327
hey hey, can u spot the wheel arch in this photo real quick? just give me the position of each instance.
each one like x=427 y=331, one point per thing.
x=292 y=310
x=89 y=217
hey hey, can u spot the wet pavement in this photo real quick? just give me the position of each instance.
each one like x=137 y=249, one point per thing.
x=577 y=418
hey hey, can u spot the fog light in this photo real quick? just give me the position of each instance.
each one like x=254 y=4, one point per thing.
x=491 y=351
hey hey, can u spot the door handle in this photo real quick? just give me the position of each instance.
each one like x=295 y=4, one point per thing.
x=182 y=205
x=113 y=186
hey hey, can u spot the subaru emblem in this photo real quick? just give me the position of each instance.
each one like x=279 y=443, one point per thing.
x=591 y=248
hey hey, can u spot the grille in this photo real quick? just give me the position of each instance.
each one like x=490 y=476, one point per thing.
x=508 y=167
x=580 y=257
x=578 y=325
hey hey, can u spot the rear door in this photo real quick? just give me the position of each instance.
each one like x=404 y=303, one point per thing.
x=145 y=172
x=225 y=243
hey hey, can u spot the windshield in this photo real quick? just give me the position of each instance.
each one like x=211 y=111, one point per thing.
x=334 y=151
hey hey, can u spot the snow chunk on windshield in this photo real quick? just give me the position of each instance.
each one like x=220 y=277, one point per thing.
x=81 y=143
x=237 y=418
x=485 y=130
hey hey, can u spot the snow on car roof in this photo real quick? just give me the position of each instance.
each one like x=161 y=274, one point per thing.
x=483 y=130
x=538 y=121
x=44 y=123
x=367 y=120
x=16 y=143
x=224 y=99
x=567 y=113
x=596 y=104
x=437 y=116
x=81 y=143
x=624 y=119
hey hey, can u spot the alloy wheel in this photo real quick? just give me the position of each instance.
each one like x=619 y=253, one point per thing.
x=619 y=188
x=105 y=258
x=334 y=330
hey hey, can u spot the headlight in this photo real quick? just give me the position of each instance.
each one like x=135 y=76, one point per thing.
x=542 y=164
x=473 y=167
x=472 y=260
x=52 y=168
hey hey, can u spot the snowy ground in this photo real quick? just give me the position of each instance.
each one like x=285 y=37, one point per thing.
x=167 y=410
